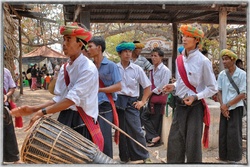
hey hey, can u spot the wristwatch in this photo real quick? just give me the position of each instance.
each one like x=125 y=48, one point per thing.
x=227 y=105
x=44 y=111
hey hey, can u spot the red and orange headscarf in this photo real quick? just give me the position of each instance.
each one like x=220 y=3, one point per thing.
x=192 y=32
x=75 y=30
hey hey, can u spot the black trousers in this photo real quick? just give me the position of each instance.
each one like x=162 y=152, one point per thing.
x=230 y=135
x=10 y=146
x=105 y=110
x=73 y=119
x=152 y=122
x=185 y=134
x=129 y=121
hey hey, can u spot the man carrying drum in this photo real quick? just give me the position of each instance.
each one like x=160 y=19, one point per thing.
x=75 y=94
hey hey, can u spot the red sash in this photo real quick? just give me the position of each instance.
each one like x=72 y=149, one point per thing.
x=18 y=120
x=93 y=128
x=116 y=120
x=206 y=117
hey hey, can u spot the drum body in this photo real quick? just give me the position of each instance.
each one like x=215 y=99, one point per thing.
x=51 y=142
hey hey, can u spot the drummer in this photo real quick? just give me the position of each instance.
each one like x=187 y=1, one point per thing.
x=80 y=91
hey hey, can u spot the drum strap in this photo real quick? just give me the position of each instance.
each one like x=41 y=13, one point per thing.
x=94 y=128
x=116 y=120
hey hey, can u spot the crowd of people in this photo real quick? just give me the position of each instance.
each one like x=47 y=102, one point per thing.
x=37 y=78
x=89 y=87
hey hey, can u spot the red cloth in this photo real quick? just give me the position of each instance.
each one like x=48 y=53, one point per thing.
x=94 y=128
x=152 y=80
x=18 y=120
x=206 y=117
x=115 y=115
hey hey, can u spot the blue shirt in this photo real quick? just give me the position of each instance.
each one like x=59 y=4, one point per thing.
x=227 y=89
x=110 y=75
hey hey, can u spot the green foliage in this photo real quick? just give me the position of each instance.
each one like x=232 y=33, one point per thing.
x=113 y=41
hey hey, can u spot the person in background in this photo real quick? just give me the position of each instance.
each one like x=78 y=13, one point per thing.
x=239 y=64
x=28 y=74
x=47 y=81
x=231 y=105
x=76 y=96
x=159 y=76
x=44 y=69
x=39 y=78
x=184 y=141
x=128 y=105
x=139 y=59
x=10 y=146
x=109 y=84
x=34 y=74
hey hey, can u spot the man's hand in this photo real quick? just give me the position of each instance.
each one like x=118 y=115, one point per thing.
x=168 y=88
x=189 y=100
x=225 y=114
x=22 y=111
x=37 y=116
x=5 y=98
x=225 y=111
x=138 y=104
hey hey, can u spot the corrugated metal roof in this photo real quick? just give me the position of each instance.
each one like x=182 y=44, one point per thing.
x=159 y=13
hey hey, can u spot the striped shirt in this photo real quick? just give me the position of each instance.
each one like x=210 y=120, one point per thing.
x=143 y=63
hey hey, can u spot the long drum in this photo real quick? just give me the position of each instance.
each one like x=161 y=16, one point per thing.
x=51 y=142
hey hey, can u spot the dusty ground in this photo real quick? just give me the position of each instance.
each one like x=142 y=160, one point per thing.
x=39 y=96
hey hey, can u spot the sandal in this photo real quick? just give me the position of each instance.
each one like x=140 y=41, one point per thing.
x=154 y=142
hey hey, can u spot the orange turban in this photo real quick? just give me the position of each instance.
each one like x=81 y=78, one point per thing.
x=192 y=32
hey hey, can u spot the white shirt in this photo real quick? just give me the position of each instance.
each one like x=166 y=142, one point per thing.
x=8 y=81
x=161 y=77
x=200 y=74
x=228 y=91
x=83 y=87
x=132 y=77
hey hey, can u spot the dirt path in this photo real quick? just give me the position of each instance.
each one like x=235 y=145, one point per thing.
x=40 y=96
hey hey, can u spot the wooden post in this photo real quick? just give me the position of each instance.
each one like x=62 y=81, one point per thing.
x=222 y=32
x=85 y=18
x=174 y=51
x=20 y=57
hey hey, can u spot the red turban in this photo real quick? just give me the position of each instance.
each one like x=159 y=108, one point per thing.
x=75 y=30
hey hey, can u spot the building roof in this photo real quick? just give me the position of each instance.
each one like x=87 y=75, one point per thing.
x=44 y=51
x=148 y=12
x=158 y=12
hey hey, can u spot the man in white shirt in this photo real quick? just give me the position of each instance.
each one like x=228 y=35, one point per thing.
x=82 y=90
x=128 y=106
x=185 y=135
x=159 y=76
